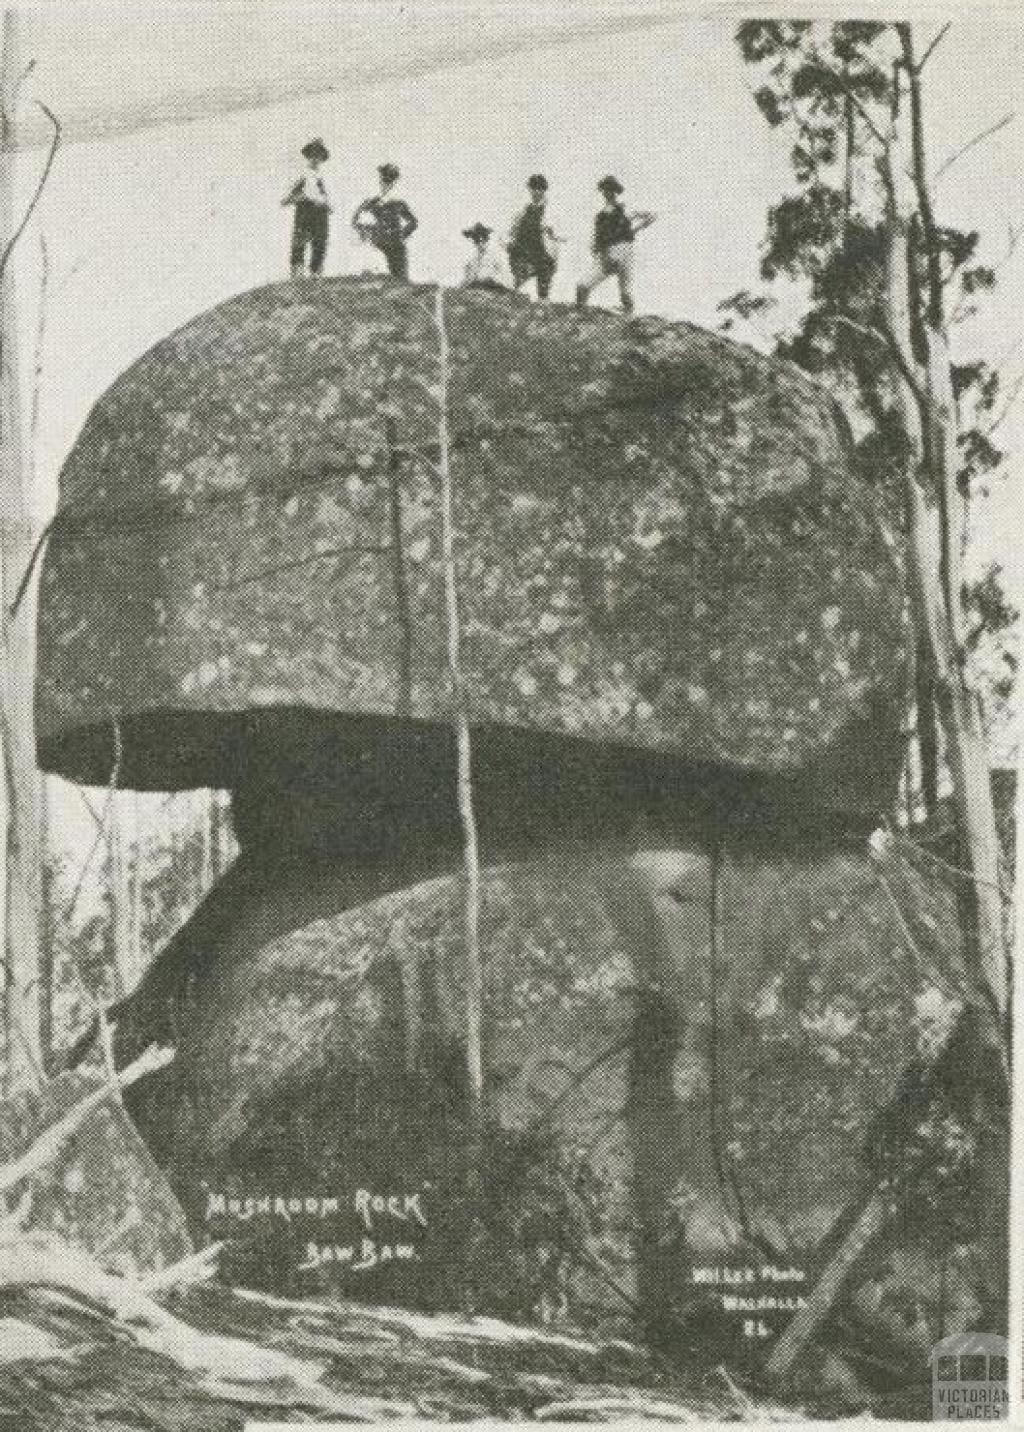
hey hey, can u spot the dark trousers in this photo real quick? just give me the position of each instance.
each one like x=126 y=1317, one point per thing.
x=309 y=232
x=397 y=256
x=539 y=266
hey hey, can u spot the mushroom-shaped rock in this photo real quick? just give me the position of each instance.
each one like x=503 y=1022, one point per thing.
x=659 y=542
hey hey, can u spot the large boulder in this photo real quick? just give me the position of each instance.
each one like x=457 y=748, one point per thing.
x=660 y=544
x=685 y=1056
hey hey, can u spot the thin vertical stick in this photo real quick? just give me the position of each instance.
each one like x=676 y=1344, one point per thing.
x=403 y=603
x=464 y=773
x=125 y=888
x=1015 y=1271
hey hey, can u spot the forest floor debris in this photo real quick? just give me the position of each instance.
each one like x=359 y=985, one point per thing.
x=204 y=1357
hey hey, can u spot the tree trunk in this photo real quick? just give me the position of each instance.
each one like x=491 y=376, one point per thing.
x=48 y=922
x=220 y=834
x=935 y=526
x=822 y=1298
x=849 y=156
x=201 y=811
x=464 y=772
x=927 y=735
x=21 y=780
x=935 y=536
x=126 y=889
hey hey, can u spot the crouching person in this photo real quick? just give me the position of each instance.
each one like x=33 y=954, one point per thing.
x=485 y=269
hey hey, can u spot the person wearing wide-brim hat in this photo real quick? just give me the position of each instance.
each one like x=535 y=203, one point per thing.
x=533 y=243
x=312 y=204
x=614 y=232
x=386 y=221
x=485 y=269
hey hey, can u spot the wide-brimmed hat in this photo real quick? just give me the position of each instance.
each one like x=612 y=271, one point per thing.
x=478 y=231
x=316 y=149
x=388 y=172
x=610 y=185
x=536 y=181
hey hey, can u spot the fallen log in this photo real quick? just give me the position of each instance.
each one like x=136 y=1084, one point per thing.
x=49 y=1144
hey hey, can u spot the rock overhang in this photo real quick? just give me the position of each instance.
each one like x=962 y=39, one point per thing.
x=661 y=544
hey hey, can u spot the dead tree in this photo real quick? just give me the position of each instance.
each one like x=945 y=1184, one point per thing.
x=21 y=880
x=464 y=768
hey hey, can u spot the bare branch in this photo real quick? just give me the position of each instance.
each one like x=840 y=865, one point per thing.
x=858 y=104
x=49 y=1144
x=957 y=870
x=30 y=566
x=1004 y=411
x=102 y=834
x=871 y=1220
x=24 y=75
x=962 y=309
x=30 y=207
x=90 y=806
x=348 y=550
x=971 y=143
x=195 y=1268
x=919 y=177
x=37 y=363
x=936 y=42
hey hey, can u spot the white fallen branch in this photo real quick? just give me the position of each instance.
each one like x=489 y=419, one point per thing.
x=613 y=1409
x=131 y=1220
x=21 y=1342
x=437 y=1362
x=349 y=1406
x=232 y=1366
x=444 y=1327
x=196 y=1268
x=49 y=1144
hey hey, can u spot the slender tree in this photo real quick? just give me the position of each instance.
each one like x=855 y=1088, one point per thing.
x=936 y=512
x=885 y=281
x=831 y=86
x=19 y=779
x=881 y=271
x=464 y=757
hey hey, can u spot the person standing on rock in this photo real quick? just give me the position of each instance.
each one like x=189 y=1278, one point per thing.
x=533 y=244
x=386 y=221
x=312 y=204
x=485 y=269
x=614 y=232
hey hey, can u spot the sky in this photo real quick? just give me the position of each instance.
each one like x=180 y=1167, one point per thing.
x=183 y=125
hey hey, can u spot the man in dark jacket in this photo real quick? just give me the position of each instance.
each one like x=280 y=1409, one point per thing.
x=614 y=232
x=533 y=245
x=312 y=204
x=386 y=221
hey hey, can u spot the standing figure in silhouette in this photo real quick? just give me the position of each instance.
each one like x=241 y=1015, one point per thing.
x=386 y=221
x=614 y=232
x=311 y=202
x=533 y=244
